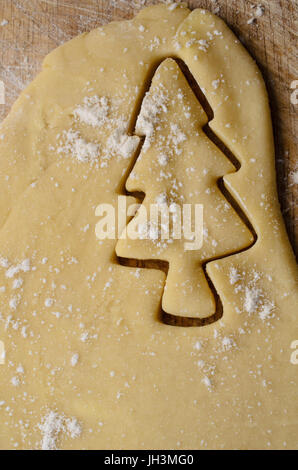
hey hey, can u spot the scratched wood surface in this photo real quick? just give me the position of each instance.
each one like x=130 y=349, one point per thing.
x=29 y=29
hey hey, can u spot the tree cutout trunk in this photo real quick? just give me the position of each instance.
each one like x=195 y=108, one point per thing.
x=178 y=164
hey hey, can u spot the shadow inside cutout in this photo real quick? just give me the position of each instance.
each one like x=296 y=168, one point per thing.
x=161 y=265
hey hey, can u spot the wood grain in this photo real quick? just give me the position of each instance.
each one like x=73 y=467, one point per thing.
x=35 y=27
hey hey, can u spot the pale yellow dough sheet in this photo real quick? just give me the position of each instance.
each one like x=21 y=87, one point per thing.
x=88 y=362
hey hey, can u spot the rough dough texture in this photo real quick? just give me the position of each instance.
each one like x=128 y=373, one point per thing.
x=88 y=362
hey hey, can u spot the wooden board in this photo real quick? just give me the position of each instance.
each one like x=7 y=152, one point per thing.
x=35 y=27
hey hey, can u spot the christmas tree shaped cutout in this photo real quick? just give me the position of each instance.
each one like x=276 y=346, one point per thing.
x=178 y=164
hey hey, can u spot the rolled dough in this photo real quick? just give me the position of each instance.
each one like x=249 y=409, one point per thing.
x=88 y=363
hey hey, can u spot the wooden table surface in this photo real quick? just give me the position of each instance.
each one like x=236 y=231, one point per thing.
x=35 y=27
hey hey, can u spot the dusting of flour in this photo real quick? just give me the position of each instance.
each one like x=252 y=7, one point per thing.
x=94 y=111
x=53 y=425
x=78 y=147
